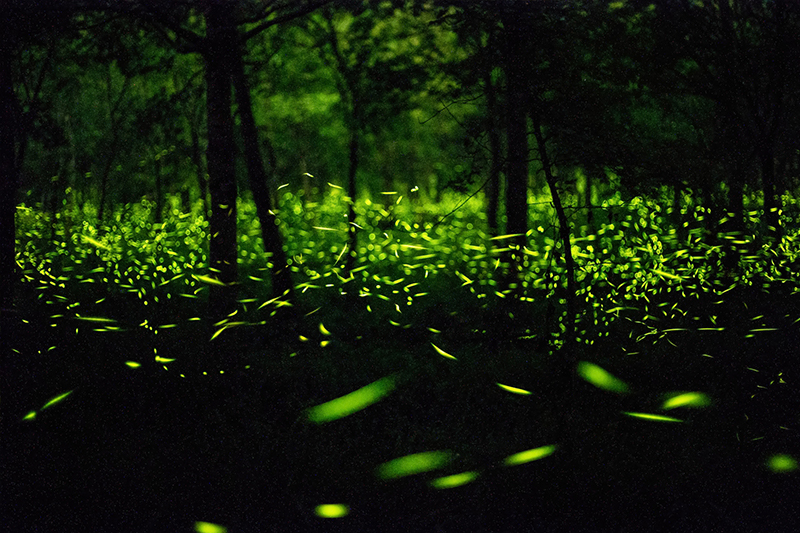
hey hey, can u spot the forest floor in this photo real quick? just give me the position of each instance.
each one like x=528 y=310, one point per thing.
x=148 y=451
x=416 y=392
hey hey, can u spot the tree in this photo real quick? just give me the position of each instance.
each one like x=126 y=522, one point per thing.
x=259 y=182
x=221 y=48
x=742 y=56
x=517 y=64
x=219 y=51
x=376 y=53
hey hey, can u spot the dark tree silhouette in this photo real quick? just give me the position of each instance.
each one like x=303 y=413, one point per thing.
x=743 y=56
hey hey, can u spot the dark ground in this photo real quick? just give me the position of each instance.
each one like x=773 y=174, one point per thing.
x=146 y=451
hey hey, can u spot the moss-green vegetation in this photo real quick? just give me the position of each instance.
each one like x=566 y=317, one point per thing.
x=685 y=391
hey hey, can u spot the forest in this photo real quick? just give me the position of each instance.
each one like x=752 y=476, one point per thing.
x=399 y=265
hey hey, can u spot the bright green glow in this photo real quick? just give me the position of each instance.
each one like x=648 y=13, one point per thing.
x=529 y=455
x=413 y=464
x=686 y=399
x=513 y=390
x=456 y=480
x=507 y=236
x=782 y=462
x=55 y=400
x=94 y=319
x=598 y=377
x=655 y=418
x=323 y=330
x=30 y=416
x=667 y=275
x=208 y=527
x=353 y=402
x=210 y=280
x=332 y=510
x=133 y=364
x=443 y=353
x=95 y=242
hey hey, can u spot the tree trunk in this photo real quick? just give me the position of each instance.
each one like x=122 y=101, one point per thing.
x=495 y=155
x=197 y=158
x=587 y=200
x=563 y=228
x=351 y=192
x=771 y=203
x=9 y=124
x=270 y=233
x=221 y=41
x=517 y=134
x=736 y=200
x=159 y=193
x=8 y=179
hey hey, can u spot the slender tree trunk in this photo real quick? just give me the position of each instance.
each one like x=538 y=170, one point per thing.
x=159 y=192
x=495 y=155
x=771 y=203
x=563 y=228
x=351 y=192
x=9 y=124
x=113 y=145
x=736 y=200
x=587 y=199
x=517 y=134
x=677 y=207
x=270 y=233
x=221 y=40
x=197 y=157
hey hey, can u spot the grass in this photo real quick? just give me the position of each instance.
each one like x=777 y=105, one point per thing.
x=165 y=426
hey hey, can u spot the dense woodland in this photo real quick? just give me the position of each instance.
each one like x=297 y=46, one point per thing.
x=225 y=219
